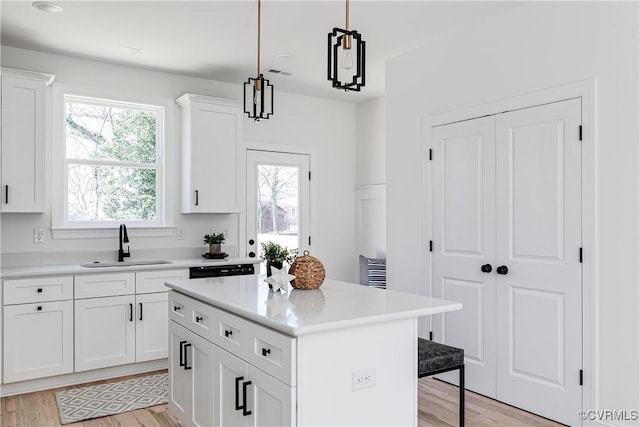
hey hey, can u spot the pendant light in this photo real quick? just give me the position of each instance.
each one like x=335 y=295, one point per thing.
x=258 y=92
x=346 y=57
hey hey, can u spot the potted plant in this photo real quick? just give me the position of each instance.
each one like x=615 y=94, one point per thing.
x=214 y=241
x=276 y=254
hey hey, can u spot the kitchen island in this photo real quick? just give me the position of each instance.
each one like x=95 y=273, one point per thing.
x=344 y=354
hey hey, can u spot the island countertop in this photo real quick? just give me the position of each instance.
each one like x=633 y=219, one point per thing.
x=334 y=305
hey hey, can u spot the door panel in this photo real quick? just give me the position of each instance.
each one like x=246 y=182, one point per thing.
x=463 y=221
x=538 y=199
x=230 y=373
x=277 y=200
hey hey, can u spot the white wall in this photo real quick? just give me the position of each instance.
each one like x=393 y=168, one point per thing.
x=537 y=46
x=325 y=127
x=370 y=146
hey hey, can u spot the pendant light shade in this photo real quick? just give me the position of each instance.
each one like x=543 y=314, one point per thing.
x=346 y=58
x=258 y=92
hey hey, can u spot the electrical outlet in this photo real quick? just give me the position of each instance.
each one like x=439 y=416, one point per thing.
x=180 y=233
x=38 y=235
x=363 y=379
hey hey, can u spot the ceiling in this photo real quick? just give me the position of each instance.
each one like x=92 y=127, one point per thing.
x=218 y=39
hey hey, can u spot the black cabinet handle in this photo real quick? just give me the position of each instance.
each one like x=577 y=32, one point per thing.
x=39 y=290
x=182 y=353
x=198 y=319
x=140 y=310
x=252 y=254
x=486 y=268
x=251 y=241
x=6 y=194
x=244 y=398
x=186 y=367
x=238 y=406
x=176 y=308
x=227 y=333
x=197 y=201
x=502 y=270
x=266 y=351
x=130 y=312
x=39 y=308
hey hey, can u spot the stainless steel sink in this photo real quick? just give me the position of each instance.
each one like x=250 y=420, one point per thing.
x=99 y=264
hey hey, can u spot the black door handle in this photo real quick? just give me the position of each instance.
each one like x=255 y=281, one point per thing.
x=502 y=270
x=130 y=312
x=186 y=367
x=6 y=194
x=486 y=268
x=238 y=406
x=244 y=398
x=140 y=310
x=197 y=201
x=182 y=353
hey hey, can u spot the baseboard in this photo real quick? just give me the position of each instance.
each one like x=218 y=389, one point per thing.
x=81 y=377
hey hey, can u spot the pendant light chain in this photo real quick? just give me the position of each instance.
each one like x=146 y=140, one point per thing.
x=259 y=10
x=347 y=13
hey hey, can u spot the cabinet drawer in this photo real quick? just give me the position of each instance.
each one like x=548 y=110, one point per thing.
x=231 y=333
x=153 y=281
x=105 y=285
x=273 y=352
x=21 y=291
x=192 y=314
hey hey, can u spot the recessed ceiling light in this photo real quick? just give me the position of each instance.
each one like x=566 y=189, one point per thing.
x=48 y=7
x=128 y=50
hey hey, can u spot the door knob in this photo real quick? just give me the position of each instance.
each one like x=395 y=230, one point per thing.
x=251 y=241
x=486 y=268
x=502 y=269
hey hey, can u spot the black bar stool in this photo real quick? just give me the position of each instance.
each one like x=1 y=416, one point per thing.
x=435 y=358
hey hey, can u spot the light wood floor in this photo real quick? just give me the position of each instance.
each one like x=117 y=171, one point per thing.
x=437 y=407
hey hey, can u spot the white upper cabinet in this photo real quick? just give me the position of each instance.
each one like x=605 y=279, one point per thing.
x=212 y=155
x=23 y=140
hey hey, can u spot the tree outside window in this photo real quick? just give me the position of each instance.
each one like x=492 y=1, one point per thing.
x=112 y=161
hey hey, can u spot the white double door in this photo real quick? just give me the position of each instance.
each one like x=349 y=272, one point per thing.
x=506 y=227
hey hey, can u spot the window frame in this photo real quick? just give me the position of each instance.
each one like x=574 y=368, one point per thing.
x=62 y=228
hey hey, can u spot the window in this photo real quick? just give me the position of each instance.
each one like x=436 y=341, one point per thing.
x=112 y=163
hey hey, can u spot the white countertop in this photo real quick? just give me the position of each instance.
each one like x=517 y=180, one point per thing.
x=334 y=305
x=56 y=270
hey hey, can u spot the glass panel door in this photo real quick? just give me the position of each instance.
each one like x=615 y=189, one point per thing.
x=277 y=201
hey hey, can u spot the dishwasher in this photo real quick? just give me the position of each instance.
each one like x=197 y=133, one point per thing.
x=221 y=270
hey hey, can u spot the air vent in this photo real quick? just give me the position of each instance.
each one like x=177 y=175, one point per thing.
x=275 y=71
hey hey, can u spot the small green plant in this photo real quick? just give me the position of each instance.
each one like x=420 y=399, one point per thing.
x=275 y=253
x=213 y=238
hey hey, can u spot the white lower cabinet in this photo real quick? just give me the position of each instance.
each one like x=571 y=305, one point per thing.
x=151 y=326
x=38 y=340
x=104 y=332
x=246 y=396
x=37 y=328
x=191 y=377
x=231 y=389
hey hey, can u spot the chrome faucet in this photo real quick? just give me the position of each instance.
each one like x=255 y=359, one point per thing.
x=123 y=238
